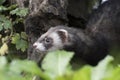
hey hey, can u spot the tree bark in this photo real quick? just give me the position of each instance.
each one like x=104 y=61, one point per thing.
x=23 y=3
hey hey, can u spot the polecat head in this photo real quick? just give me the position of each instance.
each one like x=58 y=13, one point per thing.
x=53 y=39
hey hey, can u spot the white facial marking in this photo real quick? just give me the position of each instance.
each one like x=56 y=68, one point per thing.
x=57 y=42
x=103 y=1
x=39 y=46
x=63 y=30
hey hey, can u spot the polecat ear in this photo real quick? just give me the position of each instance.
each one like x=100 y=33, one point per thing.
x=63 y=34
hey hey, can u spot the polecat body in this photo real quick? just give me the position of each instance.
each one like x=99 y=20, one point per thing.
x=72 y=39
x=92 y=44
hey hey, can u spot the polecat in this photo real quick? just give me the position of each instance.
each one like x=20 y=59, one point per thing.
x=91 y=44
x=72 y=39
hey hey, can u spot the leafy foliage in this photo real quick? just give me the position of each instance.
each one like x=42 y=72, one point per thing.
x=57 y=68
x=4 y=49
x=60 y=61
x=5 y=23
x=19 y=41
x=98 y=73
x=13 y=70
x=10 y=17
x=101 y=72
x=19 y=12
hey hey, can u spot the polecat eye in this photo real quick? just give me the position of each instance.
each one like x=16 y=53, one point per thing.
x=48 y=40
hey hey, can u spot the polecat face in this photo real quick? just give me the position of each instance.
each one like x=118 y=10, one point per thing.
x=52 y=40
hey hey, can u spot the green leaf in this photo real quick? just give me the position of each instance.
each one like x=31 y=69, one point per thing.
x=5 y=73
x=55 y=63
x=65 y=77
x=5 y=22
x=23 y=35
x=3 y=62
x=13 y=70
x=18 y=66
x=4 y=49
x=20 y=12
x=22 y=44
x=2 y=18
x=15 y=38
x=114 y=74
x=3 y=8
x=83 y=74
x=98 y=73
x=11 y=7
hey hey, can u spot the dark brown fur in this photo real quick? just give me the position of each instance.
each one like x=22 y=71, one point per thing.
x=100 y=36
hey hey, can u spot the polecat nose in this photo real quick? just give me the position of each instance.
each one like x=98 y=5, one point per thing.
x=34 y=45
